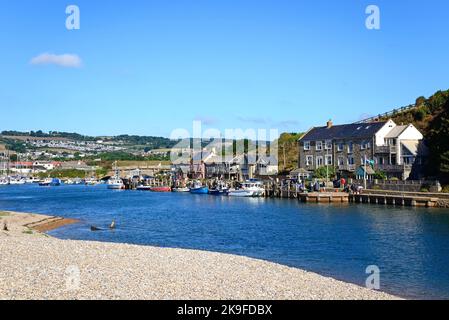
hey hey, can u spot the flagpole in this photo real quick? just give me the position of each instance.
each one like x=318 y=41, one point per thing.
x=364 y=173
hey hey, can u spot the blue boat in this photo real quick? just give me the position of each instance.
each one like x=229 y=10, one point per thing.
x=52 y=182
x=197 y=188
x=55 y=182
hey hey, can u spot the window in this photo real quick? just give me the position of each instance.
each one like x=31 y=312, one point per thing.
x=319 y=145
x=306 y=145
x=341 y=161
x=340 y=146
x=328 y=145
x=328 y=160
x=365 y=145
x=319 y=162
x=351 y=160
x=350 y=147
x=309 y=161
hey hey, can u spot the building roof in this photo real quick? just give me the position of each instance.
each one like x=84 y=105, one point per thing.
x=366 y=130
x=396 y=131
x=361 y=170
x=415 y=148
x=299 y=171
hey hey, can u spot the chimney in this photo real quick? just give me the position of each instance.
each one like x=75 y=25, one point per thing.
x=329 y=124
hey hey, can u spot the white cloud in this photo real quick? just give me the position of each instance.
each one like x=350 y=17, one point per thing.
x=62 y=60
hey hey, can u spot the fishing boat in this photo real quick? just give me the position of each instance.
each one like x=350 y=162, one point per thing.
x=50 y=182
x=251 y=188
x=198 y=188
x=115 y=183
x=181 y=189
x=160 y=189
x=220 y=190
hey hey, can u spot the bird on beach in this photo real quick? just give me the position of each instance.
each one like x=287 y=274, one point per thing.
x=5 y=227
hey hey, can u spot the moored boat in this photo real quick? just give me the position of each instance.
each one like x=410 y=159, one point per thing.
x=143 y=188
x=220 y=190
x=160 y=189
x=251 y=188
x=115 y=183
x=198 y=188
x=50 y=182
x=185 y=189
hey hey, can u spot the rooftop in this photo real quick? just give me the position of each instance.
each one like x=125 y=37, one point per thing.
x=365 y=130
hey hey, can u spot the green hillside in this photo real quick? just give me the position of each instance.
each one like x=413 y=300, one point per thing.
x=431 y=117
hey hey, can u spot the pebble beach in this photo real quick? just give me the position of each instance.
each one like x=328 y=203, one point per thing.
x=34 y=265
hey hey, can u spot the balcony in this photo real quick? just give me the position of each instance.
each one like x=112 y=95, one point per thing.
x=385 y=149
x=393 y=167
x=347 y=167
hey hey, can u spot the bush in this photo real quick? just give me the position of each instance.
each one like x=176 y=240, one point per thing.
x=420 y=114
x=445 y=189
x=322 y=173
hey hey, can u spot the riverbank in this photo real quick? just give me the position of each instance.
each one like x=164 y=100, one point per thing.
x=36 y=266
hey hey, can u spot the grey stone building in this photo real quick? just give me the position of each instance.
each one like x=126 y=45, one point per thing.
x=388 y=147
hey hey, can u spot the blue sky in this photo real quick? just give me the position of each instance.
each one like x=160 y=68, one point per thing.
x=148 y=67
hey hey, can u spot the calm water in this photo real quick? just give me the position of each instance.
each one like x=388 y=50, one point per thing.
x=410 y=246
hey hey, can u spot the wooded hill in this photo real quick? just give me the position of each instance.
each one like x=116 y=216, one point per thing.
x=431 y=117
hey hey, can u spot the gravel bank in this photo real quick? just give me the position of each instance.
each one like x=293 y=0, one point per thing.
x=35 y=266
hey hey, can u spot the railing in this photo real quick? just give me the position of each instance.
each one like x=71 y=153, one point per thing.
x=385 y=149
x=347 y=167
x=393 y=167
x=387 y=114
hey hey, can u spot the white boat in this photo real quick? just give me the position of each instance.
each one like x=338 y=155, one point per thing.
x=91 y=182
x=4 y=182
x=115 y=183
x=16 y=180
x=143 y=188
x=32 y=180
x=248 y=189
x=186 y=189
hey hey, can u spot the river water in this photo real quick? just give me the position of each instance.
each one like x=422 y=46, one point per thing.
x=410 y=246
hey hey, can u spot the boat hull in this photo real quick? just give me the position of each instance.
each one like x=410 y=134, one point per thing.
x=116 y=186
x=200 y=190
x=218 y=192
x=181 y=190
x=143 y=188
x=160 y=189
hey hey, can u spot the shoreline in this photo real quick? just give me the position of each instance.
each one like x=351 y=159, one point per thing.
x=42 y=267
